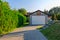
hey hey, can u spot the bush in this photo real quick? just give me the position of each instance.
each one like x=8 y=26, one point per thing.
x=28 y=19
x=8 y=19
x=21 y=20
x=58 y=16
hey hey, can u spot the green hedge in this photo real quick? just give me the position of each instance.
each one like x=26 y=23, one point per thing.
x=9 y=19
x=21 y=20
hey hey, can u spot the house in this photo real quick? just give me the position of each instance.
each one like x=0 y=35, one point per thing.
x=38 y=18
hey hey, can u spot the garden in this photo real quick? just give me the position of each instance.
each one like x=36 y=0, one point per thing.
x=52 y=32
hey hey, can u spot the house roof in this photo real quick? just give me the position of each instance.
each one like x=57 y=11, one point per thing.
x=30 y=13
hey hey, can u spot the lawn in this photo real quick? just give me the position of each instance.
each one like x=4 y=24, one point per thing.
x=25 y=24
x=52 y=32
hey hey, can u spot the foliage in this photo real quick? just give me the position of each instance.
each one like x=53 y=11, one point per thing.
x=9 y=19
x=23 y=11
x=21 y=20
x=27 y=19
x=58 y=16
x=52 y=32
x=46 y=11
x=54 y=12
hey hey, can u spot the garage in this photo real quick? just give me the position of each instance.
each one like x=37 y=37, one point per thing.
x=38 y=18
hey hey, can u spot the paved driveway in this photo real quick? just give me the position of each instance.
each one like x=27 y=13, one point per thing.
x=25 y=33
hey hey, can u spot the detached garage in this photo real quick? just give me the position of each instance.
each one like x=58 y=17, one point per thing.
x=38 y=18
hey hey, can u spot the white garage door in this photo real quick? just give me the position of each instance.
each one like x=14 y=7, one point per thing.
x=38 y=20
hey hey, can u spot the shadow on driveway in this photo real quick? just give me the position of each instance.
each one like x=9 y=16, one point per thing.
x=24 y=35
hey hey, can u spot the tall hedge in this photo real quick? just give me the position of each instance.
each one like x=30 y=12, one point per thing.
x=21 y=20
x=9 y=19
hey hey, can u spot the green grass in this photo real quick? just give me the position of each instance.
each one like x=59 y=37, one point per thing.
x=25 y=24
x=52 y=32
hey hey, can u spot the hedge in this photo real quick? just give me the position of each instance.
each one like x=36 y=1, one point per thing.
x=9 y=19
x=21 y=19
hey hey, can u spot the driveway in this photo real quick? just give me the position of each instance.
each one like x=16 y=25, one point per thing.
x=25 y=33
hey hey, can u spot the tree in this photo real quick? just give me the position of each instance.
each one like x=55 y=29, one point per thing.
x=54 y=11
x=23 y=11
x=46 y=11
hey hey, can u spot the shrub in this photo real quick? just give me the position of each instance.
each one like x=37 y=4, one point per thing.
x=27 y=19
x=58 y=16
x=21 y=19
x=8 y=19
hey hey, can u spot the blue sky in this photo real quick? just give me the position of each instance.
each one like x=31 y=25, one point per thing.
x=33 y=5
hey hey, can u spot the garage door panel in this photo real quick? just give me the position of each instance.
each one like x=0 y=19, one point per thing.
x=38 y=20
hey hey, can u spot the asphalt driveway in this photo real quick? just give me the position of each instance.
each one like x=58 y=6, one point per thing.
x=25 y=33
